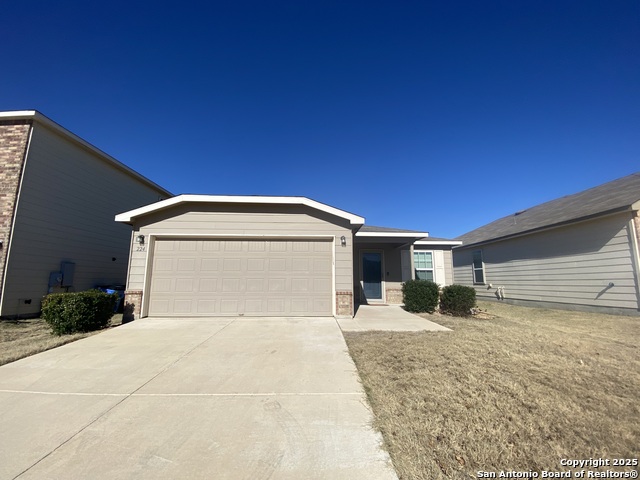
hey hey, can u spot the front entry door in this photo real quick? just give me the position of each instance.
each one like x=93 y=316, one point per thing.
x=372 y=275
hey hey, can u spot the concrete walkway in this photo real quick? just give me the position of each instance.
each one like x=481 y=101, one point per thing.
x=191 y=398
x=388 y=317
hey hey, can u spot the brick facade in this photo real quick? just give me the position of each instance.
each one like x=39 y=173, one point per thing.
x=344 y=304
x=393 y=296
x=14 y=136
x=132 y=305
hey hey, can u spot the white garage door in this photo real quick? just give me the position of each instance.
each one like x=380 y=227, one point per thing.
x=204 y=277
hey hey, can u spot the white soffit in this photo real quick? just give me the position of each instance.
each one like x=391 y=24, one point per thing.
x=438 y=242
x=127 y=217
x=393 y=234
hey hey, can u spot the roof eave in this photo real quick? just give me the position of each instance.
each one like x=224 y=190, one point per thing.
x=128 y=217
x=42 y=119
x=393 y=234
x=626 y=208
x=438 y=242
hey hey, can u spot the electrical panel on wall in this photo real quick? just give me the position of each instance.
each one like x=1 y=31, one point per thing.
x=68 y=269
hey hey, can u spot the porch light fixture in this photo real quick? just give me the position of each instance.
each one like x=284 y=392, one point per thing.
x=140 y=239
x=343 y=241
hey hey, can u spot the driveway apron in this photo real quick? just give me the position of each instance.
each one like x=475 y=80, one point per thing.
x=234 y=398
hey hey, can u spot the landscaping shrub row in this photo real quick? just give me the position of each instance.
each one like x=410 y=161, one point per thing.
x=424 y=296
x=78 y=311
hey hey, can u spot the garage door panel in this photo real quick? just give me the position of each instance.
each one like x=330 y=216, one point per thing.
x=255 y=285
x=247 y=277
x=206 y=307
x=229 y=307
x=208 y=285
x=209 y=264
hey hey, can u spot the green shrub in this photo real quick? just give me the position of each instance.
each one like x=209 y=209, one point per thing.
x=457 y=300
x=78 y=311
x=420 y=296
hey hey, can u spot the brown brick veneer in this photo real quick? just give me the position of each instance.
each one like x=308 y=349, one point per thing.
x=14 y=136
x=394 y=296
x=344 y=304
x=132 y=305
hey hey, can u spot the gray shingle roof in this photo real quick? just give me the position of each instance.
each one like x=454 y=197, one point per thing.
x=619 y=194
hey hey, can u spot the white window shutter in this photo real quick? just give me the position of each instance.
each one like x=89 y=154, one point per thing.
x=405 y=264
x=438 y=267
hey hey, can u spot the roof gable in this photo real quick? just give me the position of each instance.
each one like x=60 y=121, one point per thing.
x=128 y=217
x=618 y=195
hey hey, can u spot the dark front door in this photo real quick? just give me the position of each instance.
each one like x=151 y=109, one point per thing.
x=372 y=275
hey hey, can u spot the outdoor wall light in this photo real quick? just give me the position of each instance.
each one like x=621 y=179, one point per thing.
x=140 y=239
x=343 y=241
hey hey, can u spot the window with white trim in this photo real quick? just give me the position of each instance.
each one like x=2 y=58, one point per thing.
x=478 y=267
x=423 y=265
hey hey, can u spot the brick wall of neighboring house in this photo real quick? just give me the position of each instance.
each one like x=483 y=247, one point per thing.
x=14 y=136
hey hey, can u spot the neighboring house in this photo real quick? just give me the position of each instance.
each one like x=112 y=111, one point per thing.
x=214 y=255
x=58 y=197
x=576 y=252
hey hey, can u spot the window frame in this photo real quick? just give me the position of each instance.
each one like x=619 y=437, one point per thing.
x=480 y=269
x=433 y=265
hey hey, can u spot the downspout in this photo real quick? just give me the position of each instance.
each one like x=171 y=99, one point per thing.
x=634 y=233
x=13 y=220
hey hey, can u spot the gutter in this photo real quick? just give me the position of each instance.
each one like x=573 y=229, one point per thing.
x=626 y=208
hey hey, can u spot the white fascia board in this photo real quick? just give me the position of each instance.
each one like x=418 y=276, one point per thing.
x=438 y=242
x=40 y=118
x=393 y=234
x=126 y=217
x=18 y=114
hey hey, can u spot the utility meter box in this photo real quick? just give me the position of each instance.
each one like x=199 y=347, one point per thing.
x=67 y=269
x=55 y=280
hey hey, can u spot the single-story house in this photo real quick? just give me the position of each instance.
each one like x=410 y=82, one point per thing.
x=59 y=195
x=208 y=255
x=576 y=252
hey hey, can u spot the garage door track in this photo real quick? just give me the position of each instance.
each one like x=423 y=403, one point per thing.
x=233 y=398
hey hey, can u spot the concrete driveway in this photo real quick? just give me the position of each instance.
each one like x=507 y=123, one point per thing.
x=191 y=398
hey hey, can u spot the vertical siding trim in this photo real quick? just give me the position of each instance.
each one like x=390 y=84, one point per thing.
x=129 y=260
x=333 y=276
x=146 y=282
x=13 y=220
x=634 y=231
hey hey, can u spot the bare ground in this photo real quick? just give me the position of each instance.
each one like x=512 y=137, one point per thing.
x=22 y=338
x=513 y=388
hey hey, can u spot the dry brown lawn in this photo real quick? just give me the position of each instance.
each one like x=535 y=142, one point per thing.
x=22 y=338
x=514 y=388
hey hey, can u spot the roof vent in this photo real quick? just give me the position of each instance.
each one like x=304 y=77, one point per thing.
x=519 y=212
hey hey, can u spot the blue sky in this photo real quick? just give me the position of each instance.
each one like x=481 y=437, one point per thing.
x=438 y=116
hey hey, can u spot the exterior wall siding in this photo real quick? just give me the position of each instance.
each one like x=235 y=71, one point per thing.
x=572 y=265
x=69 y=198
x=14 y=137
x=448 y=267
x=246 y=220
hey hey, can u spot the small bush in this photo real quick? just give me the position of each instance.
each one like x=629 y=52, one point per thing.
x=78 y=311
x=420 y=296
x=457 y=300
